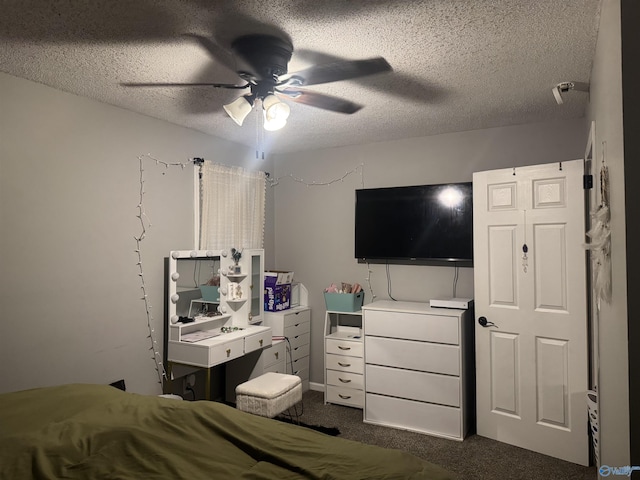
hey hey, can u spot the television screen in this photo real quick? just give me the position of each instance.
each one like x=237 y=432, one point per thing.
x=426 y=222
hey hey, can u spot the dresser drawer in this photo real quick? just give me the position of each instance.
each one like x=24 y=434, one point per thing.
x=412 y=385
x=297 y=365
x=299 y=340
x=299 y=352
x=277 y=367
x=423 y=356
x=226 y=351
x=345 y=379
x=257 y=341
x=412 y=415
x=303 y=373
x=344 y=347
x=344 y=363
x=281 y=321
x=293 y=318
x=273 y=354
x=296 y=330
x=345 y=396
x=412 y=326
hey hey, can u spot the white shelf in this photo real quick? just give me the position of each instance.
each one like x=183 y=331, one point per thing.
x=237 y=302
x=355 y=334
x=236 y=277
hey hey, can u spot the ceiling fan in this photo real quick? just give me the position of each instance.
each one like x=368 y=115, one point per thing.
x=261 y=61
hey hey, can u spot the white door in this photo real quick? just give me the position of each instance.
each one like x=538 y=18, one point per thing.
x=531 y=355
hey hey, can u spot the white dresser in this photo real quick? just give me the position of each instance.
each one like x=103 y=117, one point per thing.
x=419 y=368
x=295 y=325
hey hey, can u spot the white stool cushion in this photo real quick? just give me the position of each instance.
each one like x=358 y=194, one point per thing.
x=269 y=394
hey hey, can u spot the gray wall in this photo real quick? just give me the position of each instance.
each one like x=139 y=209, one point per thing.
x=69 y=187
x=314 y=224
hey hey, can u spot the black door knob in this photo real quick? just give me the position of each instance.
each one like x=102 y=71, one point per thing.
x=486 y=323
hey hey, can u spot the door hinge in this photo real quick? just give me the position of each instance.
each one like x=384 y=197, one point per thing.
x=587 y=182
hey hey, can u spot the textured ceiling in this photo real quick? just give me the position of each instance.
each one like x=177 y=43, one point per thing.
x=457 y=64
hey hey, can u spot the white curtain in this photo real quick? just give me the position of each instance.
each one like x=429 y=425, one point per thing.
x=232 y=207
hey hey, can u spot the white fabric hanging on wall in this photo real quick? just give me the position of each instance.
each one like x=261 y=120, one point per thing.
x=232 y=207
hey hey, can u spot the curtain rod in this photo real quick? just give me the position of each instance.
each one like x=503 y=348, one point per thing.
x=199 y=161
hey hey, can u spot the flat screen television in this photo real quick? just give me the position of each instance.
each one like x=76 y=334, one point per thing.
x=425 y=224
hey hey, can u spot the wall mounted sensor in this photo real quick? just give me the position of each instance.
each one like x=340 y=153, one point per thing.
x=564 y=87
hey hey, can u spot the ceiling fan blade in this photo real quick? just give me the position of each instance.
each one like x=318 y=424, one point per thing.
x=218 y=52
x=336 y=71
x=321 y=100
x=214 y=85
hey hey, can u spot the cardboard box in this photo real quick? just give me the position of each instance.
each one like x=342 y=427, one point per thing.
x=277 y=290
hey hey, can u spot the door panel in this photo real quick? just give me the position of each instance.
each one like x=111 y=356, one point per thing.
x=552 y=379
x=505 y=384
x=550 y=267
x=531 y=366
x=502 y=269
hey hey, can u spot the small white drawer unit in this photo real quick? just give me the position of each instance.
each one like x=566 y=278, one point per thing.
x=295 y=325
x=419 y=368
x=344 y=359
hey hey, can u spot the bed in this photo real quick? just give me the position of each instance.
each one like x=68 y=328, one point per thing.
x=98 y=432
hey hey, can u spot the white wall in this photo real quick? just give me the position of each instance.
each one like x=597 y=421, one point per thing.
x=314 y=224
x=606 y=111
x=70 y=305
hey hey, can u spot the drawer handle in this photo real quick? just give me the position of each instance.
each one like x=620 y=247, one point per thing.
x=344 y=364
x=344 y=348
x=344 y=380
x=228 y=352
x=261 y=342
x=277 y=355
x=344 y=397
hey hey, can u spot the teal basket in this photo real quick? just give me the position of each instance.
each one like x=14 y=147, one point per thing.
x=344 y=302
x=209 y=293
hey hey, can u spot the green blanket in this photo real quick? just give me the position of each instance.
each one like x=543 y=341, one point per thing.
x=99 y=432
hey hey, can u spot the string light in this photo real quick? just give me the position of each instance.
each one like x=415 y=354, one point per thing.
x=373 y=295
x=276 y=181
x=145 y=223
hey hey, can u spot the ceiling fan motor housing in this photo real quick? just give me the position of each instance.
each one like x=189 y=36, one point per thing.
x=266 y=56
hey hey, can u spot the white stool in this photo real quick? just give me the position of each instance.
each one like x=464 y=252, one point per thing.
x=269 y=394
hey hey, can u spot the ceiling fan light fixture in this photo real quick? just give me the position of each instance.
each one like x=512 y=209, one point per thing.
x=274 y=109
x=239 y=108
x=274 y=124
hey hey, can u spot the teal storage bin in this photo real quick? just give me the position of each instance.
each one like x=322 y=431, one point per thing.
x=209 y=293
x=344 y=302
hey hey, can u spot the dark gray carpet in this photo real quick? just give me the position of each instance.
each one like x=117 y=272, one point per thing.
x=475 y=458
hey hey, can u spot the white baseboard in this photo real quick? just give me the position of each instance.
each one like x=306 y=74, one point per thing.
x=316 y=387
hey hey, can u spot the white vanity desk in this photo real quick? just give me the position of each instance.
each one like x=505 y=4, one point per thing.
x=236 y=329
x=213 y=351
